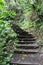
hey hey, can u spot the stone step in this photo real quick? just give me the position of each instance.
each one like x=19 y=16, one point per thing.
x=41 y=51
x=27 y=46
x=25 y=36
x=25 y=59
x=27 y=39
x=24 y=63
x=24 y=33
x=25 y=42
x=26 y=50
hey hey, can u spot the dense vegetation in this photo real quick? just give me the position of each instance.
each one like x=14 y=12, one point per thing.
x=28 y=14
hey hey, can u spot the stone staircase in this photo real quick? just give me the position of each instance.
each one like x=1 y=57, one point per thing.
x=27 y=50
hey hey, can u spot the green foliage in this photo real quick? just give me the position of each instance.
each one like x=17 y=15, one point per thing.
x=7 y=35
x=2 y=2
x=5 y=14
x=33 y=11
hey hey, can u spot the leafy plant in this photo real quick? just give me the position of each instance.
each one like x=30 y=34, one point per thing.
x=7 y=35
